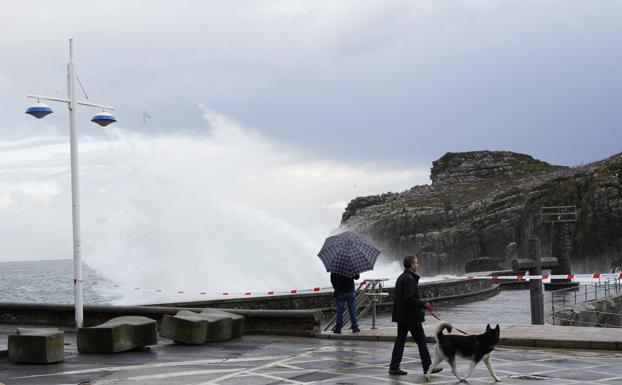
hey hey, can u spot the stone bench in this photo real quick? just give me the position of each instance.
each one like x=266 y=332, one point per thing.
x=118 y=335
x=210 y=325
x=238 y=321
x=36 y=346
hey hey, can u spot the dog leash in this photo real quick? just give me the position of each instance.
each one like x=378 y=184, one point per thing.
x=429 y=309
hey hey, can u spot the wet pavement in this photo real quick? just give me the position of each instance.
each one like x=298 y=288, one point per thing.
x=531 y=336
x=507 y=307
x=291 y=360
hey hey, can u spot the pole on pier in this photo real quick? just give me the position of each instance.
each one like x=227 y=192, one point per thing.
x=536 y=289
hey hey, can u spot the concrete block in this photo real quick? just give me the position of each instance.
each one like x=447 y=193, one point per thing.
x=219 y=326
x=118 y=335
x=561 y=344
x=238 y=321
x=304 y=323
x=512 y=341
x=186 y=327
x=210 y=325
x=36 y=346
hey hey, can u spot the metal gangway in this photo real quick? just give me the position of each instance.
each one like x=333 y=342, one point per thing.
x=368 y=294
x=565 y=299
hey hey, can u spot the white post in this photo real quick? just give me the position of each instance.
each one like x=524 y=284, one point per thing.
x=73 y=103
x=75 y=190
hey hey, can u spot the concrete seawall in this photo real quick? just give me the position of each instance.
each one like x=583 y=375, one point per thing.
x=441 y=293
x=283 y=322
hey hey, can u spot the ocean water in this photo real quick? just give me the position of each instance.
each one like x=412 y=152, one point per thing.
x=51 y=282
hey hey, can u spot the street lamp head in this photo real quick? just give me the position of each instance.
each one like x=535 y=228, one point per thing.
x=39 y=110
x=103 y=119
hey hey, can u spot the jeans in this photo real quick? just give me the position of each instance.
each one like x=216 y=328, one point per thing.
x=416 y=330
x=350 y=299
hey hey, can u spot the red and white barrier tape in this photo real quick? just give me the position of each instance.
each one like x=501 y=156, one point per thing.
x=545 y=277
x=212 y=294
x=226 y=293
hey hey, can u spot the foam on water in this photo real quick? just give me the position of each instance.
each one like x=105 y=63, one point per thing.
x=227 y=210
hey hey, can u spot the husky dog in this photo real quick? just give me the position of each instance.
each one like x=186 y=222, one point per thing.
x=475 y=348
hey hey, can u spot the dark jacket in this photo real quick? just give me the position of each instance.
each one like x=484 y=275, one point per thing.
x=408 y=308
x=342 y=284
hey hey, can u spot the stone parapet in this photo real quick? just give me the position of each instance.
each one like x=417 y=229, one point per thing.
x=446 y=292
x=284 y=322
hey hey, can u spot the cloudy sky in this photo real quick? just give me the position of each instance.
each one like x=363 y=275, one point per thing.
x=381 y=80
x=274 y=114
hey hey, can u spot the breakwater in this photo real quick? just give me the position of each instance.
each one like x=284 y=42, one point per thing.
x=443 y=293
x=291 y=322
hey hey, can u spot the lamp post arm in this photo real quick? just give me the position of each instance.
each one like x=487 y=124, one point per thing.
x=49 y=98
x=95 y=105
x=110 y=108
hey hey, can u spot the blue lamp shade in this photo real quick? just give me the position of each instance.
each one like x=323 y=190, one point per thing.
x=39 y=110
x=103 y=119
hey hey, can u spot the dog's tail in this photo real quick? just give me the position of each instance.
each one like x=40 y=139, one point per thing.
x=440 y=327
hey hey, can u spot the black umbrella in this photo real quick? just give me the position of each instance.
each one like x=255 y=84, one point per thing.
x=348 y=253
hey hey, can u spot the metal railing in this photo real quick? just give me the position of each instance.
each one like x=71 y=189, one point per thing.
x=367 y=296
x=565 y=299
x=375 y=295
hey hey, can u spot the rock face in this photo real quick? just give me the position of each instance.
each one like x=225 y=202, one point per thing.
x=481 y=202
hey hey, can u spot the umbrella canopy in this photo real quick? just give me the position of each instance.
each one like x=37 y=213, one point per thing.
x=348 y=253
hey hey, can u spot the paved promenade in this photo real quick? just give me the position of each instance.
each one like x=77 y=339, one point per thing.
x=544 y=336
x=286 y=360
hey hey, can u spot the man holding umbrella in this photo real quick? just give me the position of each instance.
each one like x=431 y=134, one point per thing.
x=344 y=292
x=346 y=255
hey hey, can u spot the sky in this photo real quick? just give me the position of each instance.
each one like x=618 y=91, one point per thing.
x=235 y=116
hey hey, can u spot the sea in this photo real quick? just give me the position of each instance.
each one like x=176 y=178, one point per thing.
x=51 y=281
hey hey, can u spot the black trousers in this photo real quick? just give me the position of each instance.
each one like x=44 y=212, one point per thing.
x=416 y=330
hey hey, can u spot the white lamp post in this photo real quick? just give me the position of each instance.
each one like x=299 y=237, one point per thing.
x=40 y=110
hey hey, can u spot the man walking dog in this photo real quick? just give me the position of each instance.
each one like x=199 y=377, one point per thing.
x=408 y=312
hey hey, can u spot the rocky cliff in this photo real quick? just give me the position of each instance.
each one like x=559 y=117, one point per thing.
x=482 y=207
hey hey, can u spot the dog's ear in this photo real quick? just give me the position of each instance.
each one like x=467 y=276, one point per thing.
x=488 y=327
x=497 y=328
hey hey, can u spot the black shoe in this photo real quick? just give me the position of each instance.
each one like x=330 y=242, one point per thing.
x=356 y=330
x=336 y=331
x=434 y=371
x=397 y=372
